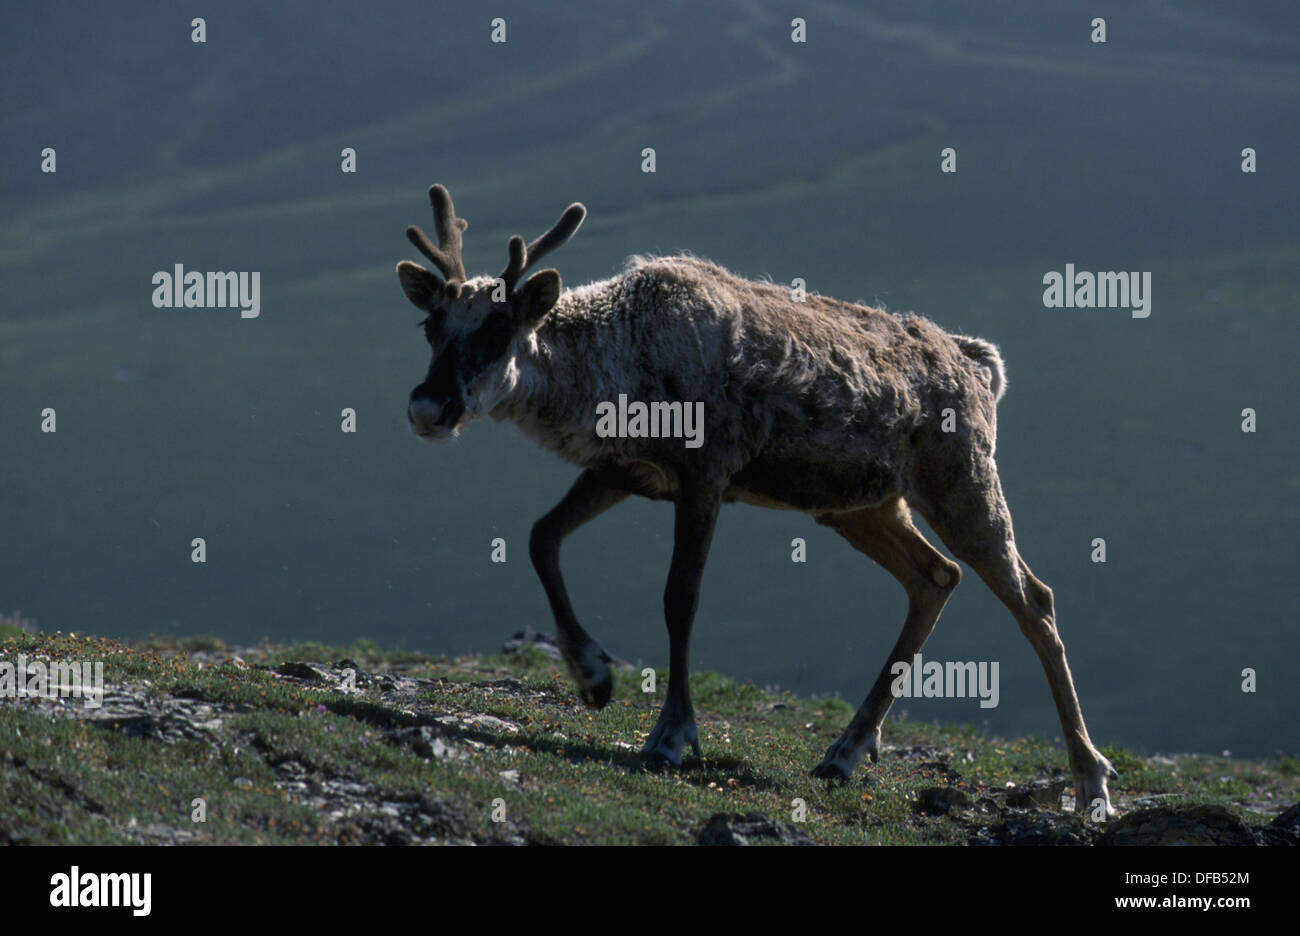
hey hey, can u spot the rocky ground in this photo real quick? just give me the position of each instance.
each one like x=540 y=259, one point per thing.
x=355 y=746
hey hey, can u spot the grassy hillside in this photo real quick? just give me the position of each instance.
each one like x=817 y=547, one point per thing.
x=426 y=749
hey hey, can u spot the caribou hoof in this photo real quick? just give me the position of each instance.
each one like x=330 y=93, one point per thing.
x=668 y=741
x=589 y=668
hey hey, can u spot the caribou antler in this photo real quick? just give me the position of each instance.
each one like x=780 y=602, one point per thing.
x=522 y=258
x=446 y=256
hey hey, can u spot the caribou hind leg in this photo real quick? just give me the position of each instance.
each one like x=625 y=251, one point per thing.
x=974 y=521
x=888 y=536
x=586 y=660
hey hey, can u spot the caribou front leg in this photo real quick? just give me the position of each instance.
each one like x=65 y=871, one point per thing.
x=586 y=660
x=694 y=519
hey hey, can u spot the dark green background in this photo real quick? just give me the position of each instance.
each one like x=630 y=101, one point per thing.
x=817 y=160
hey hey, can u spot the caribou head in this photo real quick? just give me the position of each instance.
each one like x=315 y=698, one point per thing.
x=474 y=325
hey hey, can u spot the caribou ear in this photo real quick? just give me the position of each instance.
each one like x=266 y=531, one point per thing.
x=537 y=297
x=421 y=287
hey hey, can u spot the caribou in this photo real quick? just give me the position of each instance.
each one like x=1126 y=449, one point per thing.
x=854 y=415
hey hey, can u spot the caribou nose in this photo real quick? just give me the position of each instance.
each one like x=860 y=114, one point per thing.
x=423 y=415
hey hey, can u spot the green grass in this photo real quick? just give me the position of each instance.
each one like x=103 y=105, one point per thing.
x=565 y=774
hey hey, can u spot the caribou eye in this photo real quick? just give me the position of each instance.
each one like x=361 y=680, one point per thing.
x=432 y=320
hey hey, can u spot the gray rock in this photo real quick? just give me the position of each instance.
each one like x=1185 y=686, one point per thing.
x=1285 y=829
x=1036 y=794
x=939 y=801
x=1192 y=825
x=308 y=671
x=735 y=829
x=1021 y=827
x=424 y=740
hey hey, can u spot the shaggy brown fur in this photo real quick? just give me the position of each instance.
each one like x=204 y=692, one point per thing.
x=849 y=413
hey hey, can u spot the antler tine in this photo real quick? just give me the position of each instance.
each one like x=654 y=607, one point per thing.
x=447 y=255
x=522 y=258
x=449 y=228
x=515 y=268
x=565 y=228
x=425 y=246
